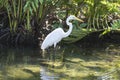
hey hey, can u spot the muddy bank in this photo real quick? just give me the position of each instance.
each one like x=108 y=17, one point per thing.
x=94 y=39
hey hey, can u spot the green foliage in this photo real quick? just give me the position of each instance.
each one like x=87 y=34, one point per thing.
x=21 y=11
x=2 y=3
x=14 y=11
x=32 y=14
x=105 y=32
x=116 y=25
x=30 y=8
x=97 y=12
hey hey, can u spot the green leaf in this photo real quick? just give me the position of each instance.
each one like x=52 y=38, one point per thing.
x=34 y=8
x=41 y=8
x=83 y=25
x=105 y=32
x=36 y=4
x=41 y=1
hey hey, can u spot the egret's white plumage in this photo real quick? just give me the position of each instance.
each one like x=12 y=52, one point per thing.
x=55 y=36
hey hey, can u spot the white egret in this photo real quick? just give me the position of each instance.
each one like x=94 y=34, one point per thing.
x=56 y=35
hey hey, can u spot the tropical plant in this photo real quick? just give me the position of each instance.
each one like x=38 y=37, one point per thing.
x=98 y=11
x=26 y=16
x=115 y=25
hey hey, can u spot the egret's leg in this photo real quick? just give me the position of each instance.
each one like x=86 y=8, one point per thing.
x=49 y=53
x=46 y=54
x=43 y=53
x=55 y=49
x=54 y=53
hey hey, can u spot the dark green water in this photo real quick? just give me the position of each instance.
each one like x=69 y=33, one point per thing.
x=68 y=63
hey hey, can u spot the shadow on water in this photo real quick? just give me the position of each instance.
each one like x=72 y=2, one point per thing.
x=19 y=64
x=76 y=63
x=70 y=62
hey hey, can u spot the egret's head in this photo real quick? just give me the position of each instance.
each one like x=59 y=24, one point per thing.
x=72 y=17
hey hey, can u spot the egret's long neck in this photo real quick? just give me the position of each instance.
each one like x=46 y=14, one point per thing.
x=70 y=28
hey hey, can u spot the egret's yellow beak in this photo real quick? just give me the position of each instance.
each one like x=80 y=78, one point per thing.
x=79 y=19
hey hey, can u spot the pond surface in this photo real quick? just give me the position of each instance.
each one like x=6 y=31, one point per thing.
x=69 y=62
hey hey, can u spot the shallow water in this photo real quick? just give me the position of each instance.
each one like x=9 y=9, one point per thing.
x=69 y=62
